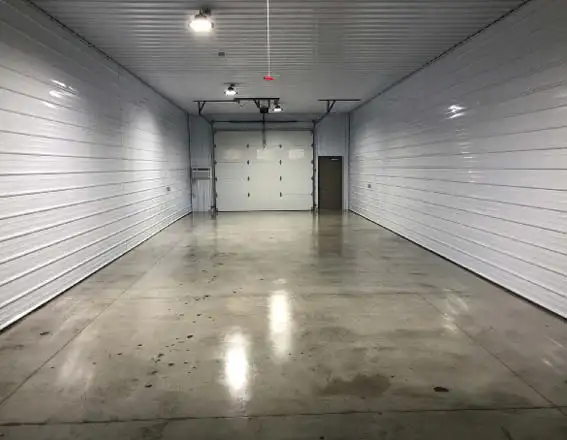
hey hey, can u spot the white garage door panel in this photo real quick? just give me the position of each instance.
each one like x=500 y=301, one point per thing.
x=232 y=171
x=233 y=138
x=289 y=138
x=251 y=177
x=232 y=152
x=296 y=187
x=233 y=155
x=296 y=184
x=298 y=175
x=296 y=202
x=269 y=155
x=264 y=188
x=264 y=175
x=230 y=203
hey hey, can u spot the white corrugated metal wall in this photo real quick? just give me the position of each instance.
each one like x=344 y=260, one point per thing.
x=92 y=162
x=468 y=157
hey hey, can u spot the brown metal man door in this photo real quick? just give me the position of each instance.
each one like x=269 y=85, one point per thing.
x=330 y=182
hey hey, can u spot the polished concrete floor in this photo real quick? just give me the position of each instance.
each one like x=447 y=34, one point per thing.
x=284 y=326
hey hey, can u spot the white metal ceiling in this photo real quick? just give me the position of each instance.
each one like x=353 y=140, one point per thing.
x=321 y=48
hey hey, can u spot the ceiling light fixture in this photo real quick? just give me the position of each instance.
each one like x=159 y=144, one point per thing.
x=277 y=108
x=231 y=90
x=455 y=108
x=456 y=115
x=201 y=22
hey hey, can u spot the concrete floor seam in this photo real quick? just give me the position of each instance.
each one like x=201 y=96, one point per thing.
x=553 y=405
x=284 y=415
x=260 y=295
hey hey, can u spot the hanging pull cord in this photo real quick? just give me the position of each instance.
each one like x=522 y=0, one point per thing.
x=268 y=43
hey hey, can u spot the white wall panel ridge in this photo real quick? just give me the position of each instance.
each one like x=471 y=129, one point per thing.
x=92 y=162
x=468 y=157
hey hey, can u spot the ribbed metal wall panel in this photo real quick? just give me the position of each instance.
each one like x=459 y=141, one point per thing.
x=469 y=156
x=319 y=47
x=92 y=162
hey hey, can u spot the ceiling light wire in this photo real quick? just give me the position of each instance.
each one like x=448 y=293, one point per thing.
x=268 y=44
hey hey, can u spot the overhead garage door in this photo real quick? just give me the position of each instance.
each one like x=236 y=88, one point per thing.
x=251 y=176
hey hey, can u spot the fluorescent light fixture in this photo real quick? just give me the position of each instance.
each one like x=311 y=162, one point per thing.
x=231 y=90
x=456 y=115
x=277 y=109
x=201 y=22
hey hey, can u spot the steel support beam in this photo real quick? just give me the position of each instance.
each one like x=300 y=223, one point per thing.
x=330 y=104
